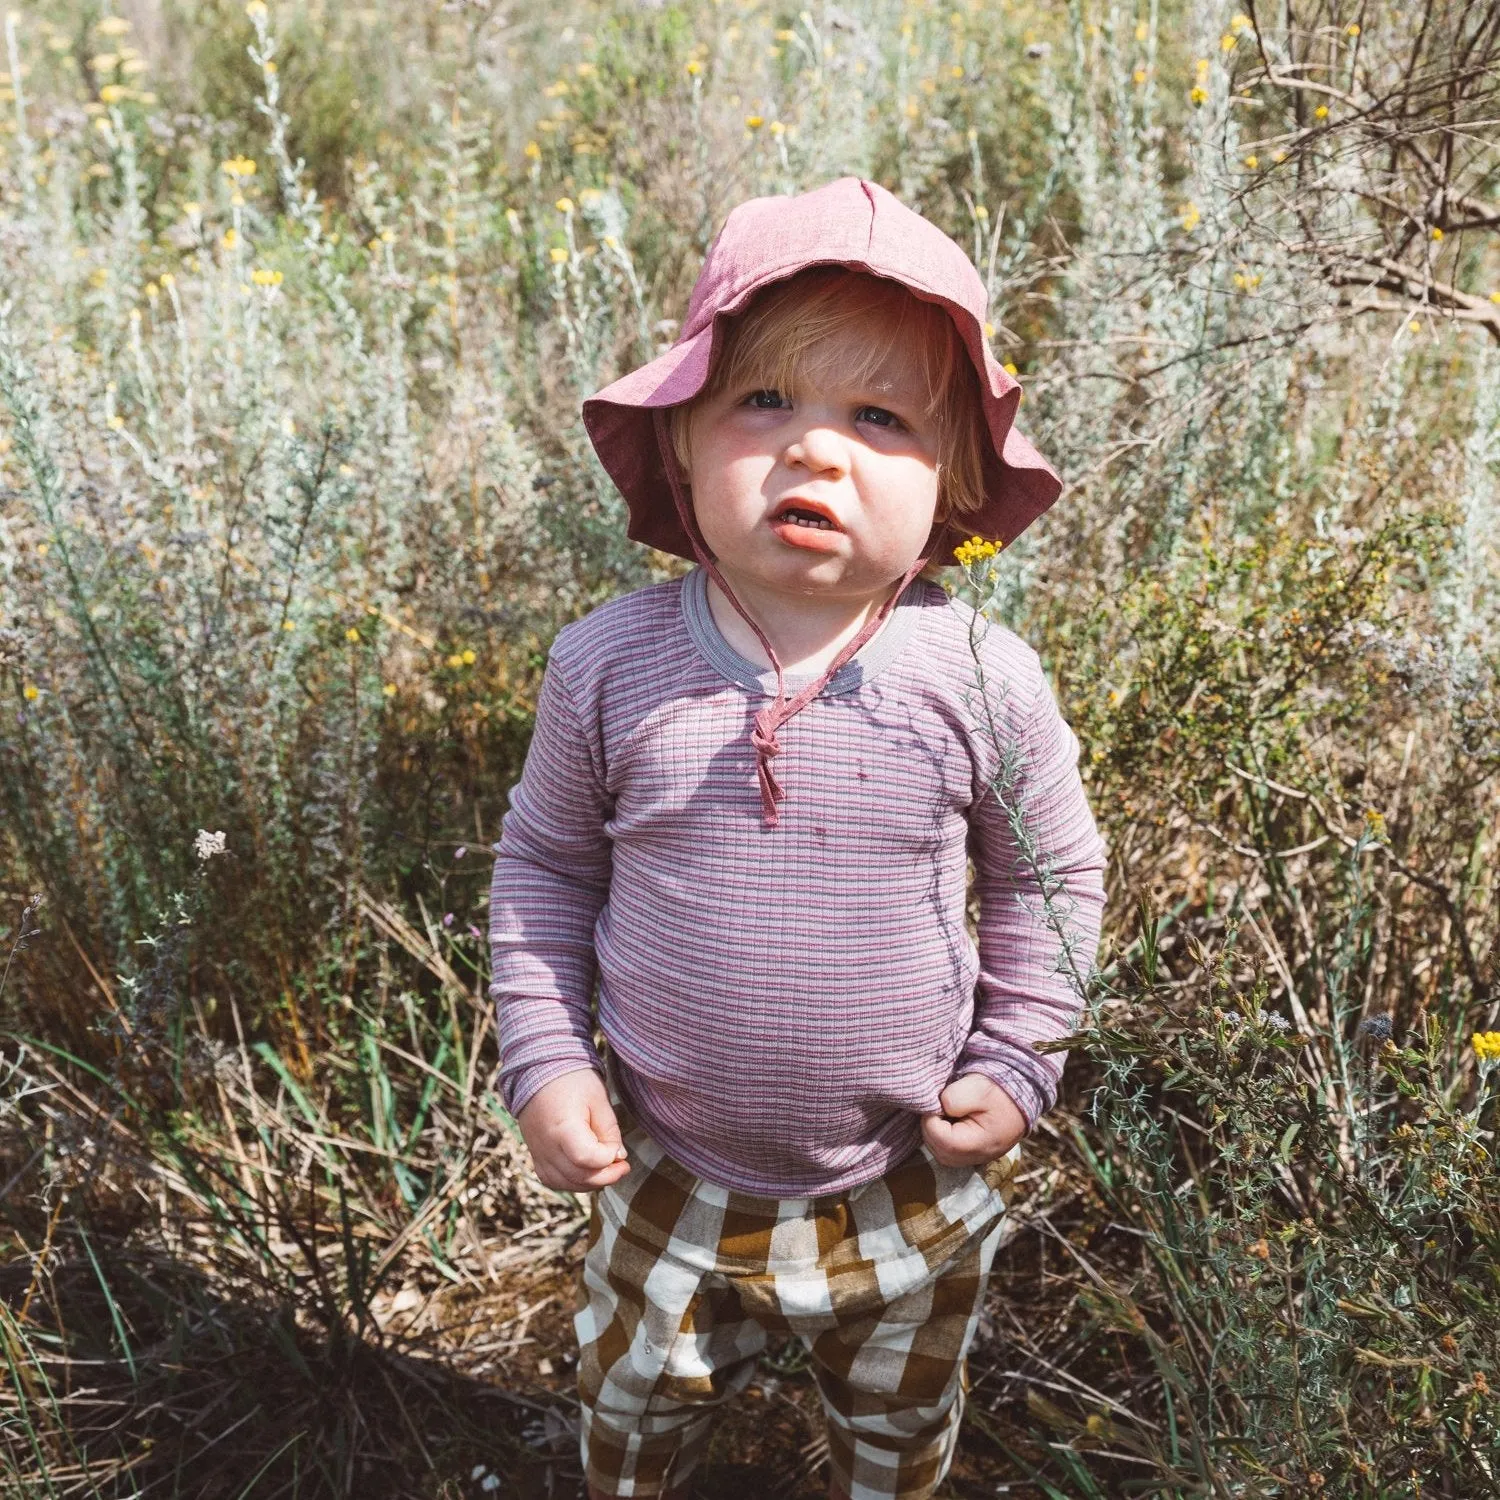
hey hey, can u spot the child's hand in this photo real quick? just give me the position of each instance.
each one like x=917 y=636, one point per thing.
x=979 y=1123
x=573 y=1134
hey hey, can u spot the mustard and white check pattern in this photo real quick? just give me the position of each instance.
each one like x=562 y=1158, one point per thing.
x=685 y=1281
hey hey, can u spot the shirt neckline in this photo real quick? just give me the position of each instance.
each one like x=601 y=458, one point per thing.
x=868 y=662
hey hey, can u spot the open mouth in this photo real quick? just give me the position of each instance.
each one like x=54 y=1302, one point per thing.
x=806 y=513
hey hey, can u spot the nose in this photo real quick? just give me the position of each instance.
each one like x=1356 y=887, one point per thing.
x=819 y=447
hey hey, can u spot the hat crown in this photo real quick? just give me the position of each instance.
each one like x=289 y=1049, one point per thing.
x=849 y=222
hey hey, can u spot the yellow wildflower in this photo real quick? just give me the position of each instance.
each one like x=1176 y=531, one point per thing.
x=1198 y=93
x=754 y=122
x=1009 y=368
x=585 y=69
x=113 y=93
x=1142 y=31
x=103 y=62
x=533 y=151
x=237 y=167
x=1139 y=75
x=1437 y=233
x=262 y=277
x=564 y=205
x=113 y=26
x=1252 y=162
x=1202 y=66
x=694 y=68
x=1227 y=41
x=1321 y=112
x=167 y=279
x=1240 y=23
x=1487 y=1046
x=776 y=127
x=1190 y=216
x=351 y=634
x=469 y=658
x=1352 y=28
x=116 y=422
x=230 y=239
x=1375 y=822
x=30 y=692
x=976 y=549
x=256 y=9
x=559 y=255
x=455 y=660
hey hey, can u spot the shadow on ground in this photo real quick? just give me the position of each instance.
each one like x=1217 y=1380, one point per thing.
x=134 y=1377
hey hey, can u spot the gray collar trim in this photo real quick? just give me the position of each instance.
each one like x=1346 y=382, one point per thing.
x=872 y=658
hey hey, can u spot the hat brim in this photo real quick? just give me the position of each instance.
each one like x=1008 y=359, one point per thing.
x=1019 y=483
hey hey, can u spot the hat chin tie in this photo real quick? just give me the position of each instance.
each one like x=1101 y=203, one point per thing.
x=768 y=721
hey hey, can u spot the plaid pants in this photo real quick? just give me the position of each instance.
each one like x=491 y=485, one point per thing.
x=684 y=1281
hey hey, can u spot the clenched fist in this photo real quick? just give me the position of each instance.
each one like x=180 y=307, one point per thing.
x=980 y=1122
x=574 y=1137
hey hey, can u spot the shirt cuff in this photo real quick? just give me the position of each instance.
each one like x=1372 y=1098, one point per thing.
x=518 y=1088
x=1025 y=1091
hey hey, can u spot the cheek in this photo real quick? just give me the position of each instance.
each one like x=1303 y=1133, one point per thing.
x=726 y=483
x=913 y=494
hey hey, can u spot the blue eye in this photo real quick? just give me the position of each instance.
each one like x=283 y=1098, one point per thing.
x=881 y=418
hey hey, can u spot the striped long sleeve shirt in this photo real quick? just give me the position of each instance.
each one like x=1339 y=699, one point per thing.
x=781 y=1005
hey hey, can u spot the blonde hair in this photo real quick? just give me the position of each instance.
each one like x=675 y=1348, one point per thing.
x=785 y=340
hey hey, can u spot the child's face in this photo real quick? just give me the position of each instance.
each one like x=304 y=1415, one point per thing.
x=863 y=457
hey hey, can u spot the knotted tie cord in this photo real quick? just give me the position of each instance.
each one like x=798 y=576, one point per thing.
x=768 y=721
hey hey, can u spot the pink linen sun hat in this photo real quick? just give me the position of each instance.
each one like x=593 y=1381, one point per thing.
x=848 y=222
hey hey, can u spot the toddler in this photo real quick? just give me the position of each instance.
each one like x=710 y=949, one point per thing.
x=748 y=811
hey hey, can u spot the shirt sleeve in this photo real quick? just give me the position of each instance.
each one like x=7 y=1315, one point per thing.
x=1031 y=831
x=551 y=880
